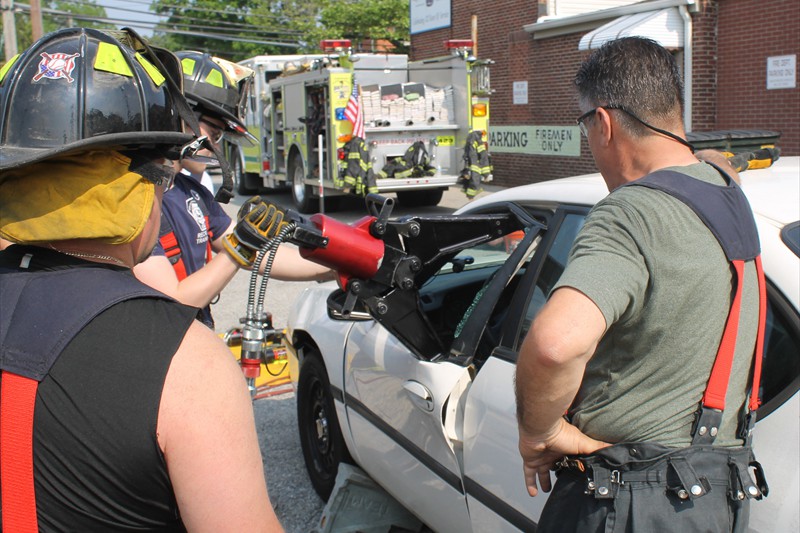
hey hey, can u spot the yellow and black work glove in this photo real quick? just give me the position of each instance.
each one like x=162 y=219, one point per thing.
x=256 y=224
x=761 y=158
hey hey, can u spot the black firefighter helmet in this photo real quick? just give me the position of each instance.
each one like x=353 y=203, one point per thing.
x=79 y=88
x=218 y=88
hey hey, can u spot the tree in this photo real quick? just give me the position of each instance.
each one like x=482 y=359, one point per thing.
x=365 y=22
x=362 y=21
x=233 y=30
x=58 y=14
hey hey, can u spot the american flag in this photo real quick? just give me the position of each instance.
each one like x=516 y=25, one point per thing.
x=354 y=114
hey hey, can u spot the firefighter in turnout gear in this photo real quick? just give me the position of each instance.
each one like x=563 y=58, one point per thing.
x=477 y=165
x=190 y=262
x=355 y=170
x=103 y=425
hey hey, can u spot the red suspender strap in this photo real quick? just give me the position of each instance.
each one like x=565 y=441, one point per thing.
x=755 y=400
x=17 y=402
x=170 y=244
x=209 y=251
x=714 y=397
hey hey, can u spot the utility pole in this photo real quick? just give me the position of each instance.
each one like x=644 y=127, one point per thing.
x=9 y=29
x=474 y=32
x=36 y=20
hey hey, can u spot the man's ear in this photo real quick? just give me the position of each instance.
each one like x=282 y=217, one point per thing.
x=606 y=127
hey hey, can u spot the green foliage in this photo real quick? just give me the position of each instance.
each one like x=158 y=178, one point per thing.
x=236 y=29
x=71 y=14
x=231 y=29
x=361 y=21
x=367 y=21
x=293 y=19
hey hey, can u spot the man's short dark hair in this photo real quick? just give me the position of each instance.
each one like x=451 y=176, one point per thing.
x=638 y=74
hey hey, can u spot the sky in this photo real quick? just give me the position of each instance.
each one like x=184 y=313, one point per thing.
x=135 y=12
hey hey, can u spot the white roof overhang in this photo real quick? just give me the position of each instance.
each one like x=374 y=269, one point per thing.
x=589 y=22
x=664 y=26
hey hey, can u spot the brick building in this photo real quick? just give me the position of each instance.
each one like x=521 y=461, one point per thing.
x=739 y=59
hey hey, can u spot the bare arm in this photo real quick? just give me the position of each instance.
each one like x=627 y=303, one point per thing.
x=716 y=157
x=550 y=368
x=196 y=290
x=199 y=288
x=289 y=265
x=207 y=433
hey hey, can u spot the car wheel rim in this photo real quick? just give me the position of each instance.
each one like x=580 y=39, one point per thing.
x=320 y=431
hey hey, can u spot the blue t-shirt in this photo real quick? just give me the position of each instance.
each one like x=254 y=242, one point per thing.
x=197 y=219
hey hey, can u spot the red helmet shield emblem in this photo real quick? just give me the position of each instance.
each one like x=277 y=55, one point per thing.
x=55 y=66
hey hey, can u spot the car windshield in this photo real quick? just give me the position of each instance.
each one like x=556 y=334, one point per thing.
x=490 y=254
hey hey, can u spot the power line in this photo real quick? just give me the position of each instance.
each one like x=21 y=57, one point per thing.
x=271 y=16
x=175 y=17
x=245 y=27
x=178 y=8
x=155 y=27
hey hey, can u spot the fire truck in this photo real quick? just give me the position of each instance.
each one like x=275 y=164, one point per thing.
x=425 y=125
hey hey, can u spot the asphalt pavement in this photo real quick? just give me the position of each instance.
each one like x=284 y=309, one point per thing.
x=297 y=505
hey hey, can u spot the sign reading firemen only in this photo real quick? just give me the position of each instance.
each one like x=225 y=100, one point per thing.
x=562 y=141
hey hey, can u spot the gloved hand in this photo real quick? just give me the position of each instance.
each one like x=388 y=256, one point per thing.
x=257 y=223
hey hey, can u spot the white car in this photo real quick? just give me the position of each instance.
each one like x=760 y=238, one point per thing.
x=437 y=429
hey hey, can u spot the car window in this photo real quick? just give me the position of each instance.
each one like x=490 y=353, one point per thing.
x=780 y=374
x=553 y=266
x=790 y=234
x=449 y=296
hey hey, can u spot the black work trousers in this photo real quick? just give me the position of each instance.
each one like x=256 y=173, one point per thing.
x=646 y=487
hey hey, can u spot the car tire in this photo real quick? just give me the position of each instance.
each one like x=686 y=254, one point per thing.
x=320 y=434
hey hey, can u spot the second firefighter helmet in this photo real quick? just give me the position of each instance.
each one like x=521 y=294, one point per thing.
x=78 y=88
x=218 y=88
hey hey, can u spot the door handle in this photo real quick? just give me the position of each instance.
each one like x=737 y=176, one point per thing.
x=420 y=395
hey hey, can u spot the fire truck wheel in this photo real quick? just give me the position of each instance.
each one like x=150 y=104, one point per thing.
x=302 y=195
x=320 y=435
x=244 y=183
x=423 y=198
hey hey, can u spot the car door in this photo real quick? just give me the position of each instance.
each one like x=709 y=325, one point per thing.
x=394 y=404
x=405 y=412
x=497 y=497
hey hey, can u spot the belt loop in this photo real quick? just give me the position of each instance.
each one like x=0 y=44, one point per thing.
x=736 y=484
x=692 y=485
x=742 y=485
x=761 y=480
x=605 y=486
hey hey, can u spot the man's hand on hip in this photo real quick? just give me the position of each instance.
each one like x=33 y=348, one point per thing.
x=540 y=452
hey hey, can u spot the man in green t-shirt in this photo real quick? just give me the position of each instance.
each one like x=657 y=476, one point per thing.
x=628 y=337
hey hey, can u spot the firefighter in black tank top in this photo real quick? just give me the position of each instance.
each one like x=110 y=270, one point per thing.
x=131 y=416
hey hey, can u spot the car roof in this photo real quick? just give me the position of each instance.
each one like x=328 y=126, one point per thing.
x=773 y=192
